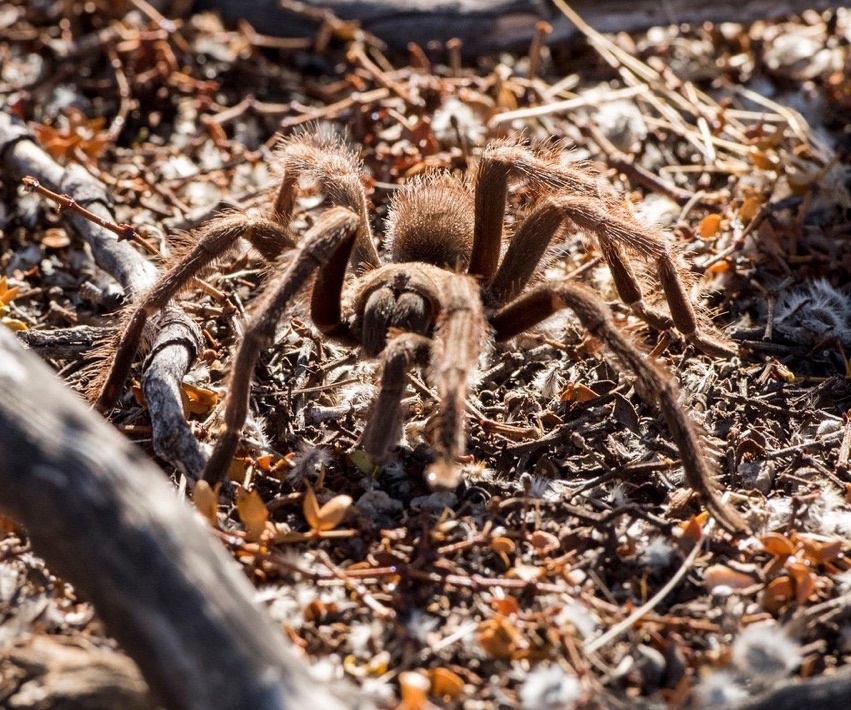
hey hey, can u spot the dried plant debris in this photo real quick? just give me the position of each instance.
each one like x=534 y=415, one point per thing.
x=572 y=567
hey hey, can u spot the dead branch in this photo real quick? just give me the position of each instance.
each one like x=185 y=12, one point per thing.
x=824 y=692
x=21 y=156
x=104 y=517
x=485 y=26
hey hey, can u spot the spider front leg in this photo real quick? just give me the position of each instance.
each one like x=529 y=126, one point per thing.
x=215 y=239
x=653 y=382
x=322 y=157
x=326 y=246
x=382 y=429
x=457 y=343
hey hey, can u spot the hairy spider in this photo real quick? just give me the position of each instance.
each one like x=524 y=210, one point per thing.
x=447 y=288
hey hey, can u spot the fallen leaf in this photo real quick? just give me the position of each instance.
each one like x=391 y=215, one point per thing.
x=709 y=225
x=577 y=393
x=778 y=593
x=777 y=544
x=500 y=638
x=413 y=690
x=544 y=542
x=330 y=515
x=198 y=399
x=723 y=576
x=446 y=684
x=252 y=512
x=206 y=501
x=750 y=208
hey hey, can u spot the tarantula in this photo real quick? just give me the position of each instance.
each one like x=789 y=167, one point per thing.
x=447 y=288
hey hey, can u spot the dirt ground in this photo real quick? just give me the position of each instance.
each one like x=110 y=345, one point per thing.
x=572 y=567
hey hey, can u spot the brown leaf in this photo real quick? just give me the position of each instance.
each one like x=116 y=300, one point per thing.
x=446 y=684
x=206 y=501
x=721 y=575
x=252 y=512
x=777 y=544
x=709 y=225
x=330 y=515
x=198 y=400
x=778 y=593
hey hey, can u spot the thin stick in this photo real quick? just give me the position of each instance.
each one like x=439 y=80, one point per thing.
x=566 y=105
x=66 y=202
x=645 y=608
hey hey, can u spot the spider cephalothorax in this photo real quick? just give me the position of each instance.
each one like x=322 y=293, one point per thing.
x=448 y=287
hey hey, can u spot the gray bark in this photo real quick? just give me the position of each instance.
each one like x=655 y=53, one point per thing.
x=21 y=156
x=492 y=25
x=102 y=515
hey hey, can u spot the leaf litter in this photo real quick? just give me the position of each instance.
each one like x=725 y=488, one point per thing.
x=571 y=569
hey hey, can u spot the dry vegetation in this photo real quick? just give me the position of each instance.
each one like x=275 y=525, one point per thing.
x=571 y=568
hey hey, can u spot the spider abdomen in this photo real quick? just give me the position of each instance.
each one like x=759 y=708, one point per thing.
x=431 y=220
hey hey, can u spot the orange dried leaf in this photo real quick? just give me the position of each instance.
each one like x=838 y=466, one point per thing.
x=820 y=553
x=206 y=500
x=264 y=462
x=723 y=576
x=7 y=295
x=199 y=400
x=506 y=606
x=577 y=393
x=446 y=684
x=543 y=541
x=750 y=208
x=777 y=544
x=693 y=529
x=499 y=638
x=709 y=226
x=413 y=690
x=330 y=515
x=719 y=267
x=252 y=512
x=763 y=159
x=805 y=581
x=778 y=593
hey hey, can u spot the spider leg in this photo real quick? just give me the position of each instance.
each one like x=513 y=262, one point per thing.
x=214 y=240
x=652 y=381
x=323 y=158
x=592 y=206
x=323 y=247
x=382 y=429
x=457 y=343
x=489 y=213
x=499 y=162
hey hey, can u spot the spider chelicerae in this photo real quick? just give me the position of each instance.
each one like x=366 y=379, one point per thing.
x=447 y=288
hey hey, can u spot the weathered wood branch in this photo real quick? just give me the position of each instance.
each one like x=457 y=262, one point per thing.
x=104 y=517
x=824 y=692
x=21 y=156
x=486 y=26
